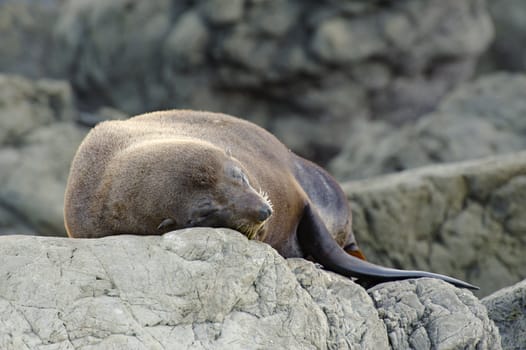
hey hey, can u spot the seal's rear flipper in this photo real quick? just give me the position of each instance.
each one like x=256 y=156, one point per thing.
x=316 y=241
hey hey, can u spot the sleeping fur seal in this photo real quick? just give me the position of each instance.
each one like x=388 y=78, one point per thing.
x=169 y=170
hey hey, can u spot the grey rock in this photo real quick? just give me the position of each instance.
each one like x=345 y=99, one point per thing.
x=324 y=63
x=186 y=43
x=482 y=118
x=353 y=319
x=506 y=308
x=26 y=105
x=430 y=314
x=33 y=180
x=187 y=289
x=498 y=98
x=90 y=36
x=510 y=29
x=462 y=219
x=223 y=12
x=338 y=40
x=38 y=138
x=205 y=288
x=26 y=29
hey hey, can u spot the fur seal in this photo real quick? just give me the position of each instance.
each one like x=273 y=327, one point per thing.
x=169 y=170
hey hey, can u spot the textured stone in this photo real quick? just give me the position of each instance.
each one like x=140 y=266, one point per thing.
x=188 y=289
x=507 y=308
x=33 y=180
x=26 y=105
x=223 y=12
x=338 y=40
x=206 y=288
x=274 y=62
x=186 y=43
x=482 y=118
x=430 y=314
x=505 y=52
x=26 y=29
x=461 y=219
x=38 y=139
x=353 y=319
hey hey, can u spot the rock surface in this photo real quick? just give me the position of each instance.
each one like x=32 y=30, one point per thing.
x=38 y=138
x=509 y=17
x=481 y=118
x=507 y=308
x=211 y=288
x=291 y=66
x=26 y=29
x=463 y=219
x=422 y=314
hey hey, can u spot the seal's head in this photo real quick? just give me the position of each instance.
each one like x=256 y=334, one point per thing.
x=181 y=183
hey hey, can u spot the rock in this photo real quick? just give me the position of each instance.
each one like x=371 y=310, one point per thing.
x=205 y=288
x=430 y=314
x=510 y=29
x=482 y=118
x=33 y=180
x=353 y=319
x=498 y=98
x=506 y=308
x=26 y=105
x=223 y=12
x=38 y=139
x=461 y=219
x=26 y=29
x=187 y=41
x=274 y=62
x=338 y=40
x=130 y=31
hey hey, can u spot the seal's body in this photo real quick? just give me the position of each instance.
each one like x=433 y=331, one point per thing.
x=163 y=171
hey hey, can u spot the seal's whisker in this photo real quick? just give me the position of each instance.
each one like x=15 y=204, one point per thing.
x=266 y=197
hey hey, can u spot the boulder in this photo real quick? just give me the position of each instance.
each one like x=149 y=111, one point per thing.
x=290 y=66
x=478 y=119
x=27 y=104
x=26 y=29
x=460 y=219
x=429 y=314
x=205 y=288
x=38 y=138
x=509 y=17
x=506 y=307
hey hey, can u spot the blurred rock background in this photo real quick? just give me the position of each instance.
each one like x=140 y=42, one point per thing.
x=362 y=87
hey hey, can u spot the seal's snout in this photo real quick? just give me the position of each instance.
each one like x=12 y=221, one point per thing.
x=264 y=213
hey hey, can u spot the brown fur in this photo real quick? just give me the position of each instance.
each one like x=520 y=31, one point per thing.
x=131 y=176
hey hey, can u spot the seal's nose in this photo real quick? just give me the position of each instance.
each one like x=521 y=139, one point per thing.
x=264 y=213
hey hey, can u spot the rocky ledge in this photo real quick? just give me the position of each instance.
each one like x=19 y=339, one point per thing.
x=212 y=288
x=462 y=219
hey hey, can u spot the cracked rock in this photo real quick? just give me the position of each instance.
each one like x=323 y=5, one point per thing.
x=478 y=119
x=204 y=288
x=461 y=219
x=507 y=308
x=430 y=314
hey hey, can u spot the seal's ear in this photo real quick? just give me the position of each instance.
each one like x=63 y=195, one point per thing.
x=316 y=241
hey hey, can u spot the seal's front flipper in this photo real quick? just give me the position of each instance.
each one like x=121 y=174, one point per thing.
x=315 y=240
